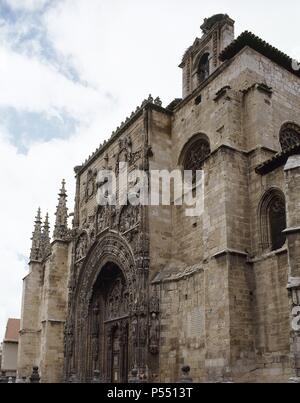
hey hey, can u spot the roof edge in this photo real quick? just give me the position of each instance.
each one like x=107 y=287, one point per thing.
x=148 y=103
x=277 y=161
x=249 y=39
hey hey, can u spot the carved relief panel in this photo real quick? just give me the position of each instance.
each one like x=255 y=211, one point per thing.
x=107 y=327
x=117 y=301
x=102 y=219
x=126 y=153
x=129 y=218
x=154 y=325
x=90 y=184
x=81 y=247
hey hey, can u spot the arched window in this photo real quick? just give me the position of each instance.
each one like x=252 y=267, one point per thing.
x=203 y=68
x=277 y=218
x=289 y=136
x=273 y=220
x=195 y=153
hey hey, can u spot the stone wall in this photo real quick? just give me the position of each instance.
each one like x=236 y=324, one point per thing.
x=292 y=182
x=43 y=316
x=54 y=314
x=242 y=287
x=9 y=356
x=160 y=217
x=29 y=342
x=271 y=313
x=182 y=327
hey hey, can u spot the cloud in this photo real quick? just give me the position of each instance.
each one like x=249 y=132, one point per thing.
x=29 y=5
x=26 y=128
x=120 y=39
x=29 y=84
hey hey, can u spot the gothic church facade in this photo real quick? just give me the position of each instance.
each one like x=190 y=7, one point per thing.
x=151 y=289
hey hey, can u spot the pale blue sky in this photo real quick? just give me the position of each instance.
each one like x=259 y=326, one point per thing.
x=71 y=71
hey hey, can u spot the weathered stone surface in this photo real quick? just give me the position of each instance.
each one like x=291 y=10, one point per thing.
x=151 y=290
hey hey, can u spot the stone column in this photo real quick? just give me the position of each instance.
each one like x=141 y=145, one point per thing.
x=292 y=184
x=95 y=337
x=140 y=322
x=109 y=344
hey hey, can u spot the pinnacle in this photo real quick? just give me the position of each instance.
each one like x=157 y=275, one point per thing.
x=61 y=223
x=36 y=249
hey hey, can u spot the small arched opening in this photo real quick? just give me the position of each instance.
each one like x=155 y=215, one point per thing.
x=203 y=68
x=273 y=221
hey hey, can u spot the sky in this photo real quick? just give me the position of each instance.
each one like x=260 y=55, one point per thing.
x=70 y=72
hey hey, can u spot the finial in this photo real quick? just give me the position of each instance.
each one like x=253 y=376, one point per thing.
x=63 y=188
x=158 y=102
x=38 y=218
x=46 y=222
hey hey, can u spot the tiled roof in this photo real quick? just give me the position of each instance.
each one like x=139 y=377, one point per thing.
x=249 y=39
x=12 y=330
x=278 y=160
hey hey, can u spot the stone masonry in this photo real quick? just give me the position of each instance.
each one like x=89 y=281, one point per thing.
x=150 y=289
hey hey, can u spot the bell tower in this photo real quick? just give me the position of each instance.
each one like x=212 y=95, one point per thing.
x=202 y=58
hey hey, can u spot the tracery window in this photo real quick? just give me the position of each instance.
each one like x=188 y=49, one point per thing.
x=195 y=154
x=289 y=136
x=273 y=220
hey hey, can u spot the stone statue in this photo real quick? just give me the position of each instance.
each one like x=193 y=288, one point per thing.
x=154 y=334
x=143 y=330
x=134 y=327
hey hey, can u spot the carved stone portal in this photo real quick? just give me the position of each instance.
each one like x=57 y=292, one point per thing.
x=111 y=332
x=103 y=338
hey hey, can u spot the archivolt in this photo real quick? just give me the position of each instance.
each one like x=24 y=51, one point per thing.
x=111 y=248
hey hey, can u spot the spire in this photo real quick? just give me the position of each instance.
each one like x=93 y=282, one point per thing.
x=36 y=250
x=45 y=239
x=61 y=223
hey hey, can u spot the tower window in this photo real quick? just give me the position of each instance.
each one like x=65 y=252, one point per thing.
x=203 y=68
